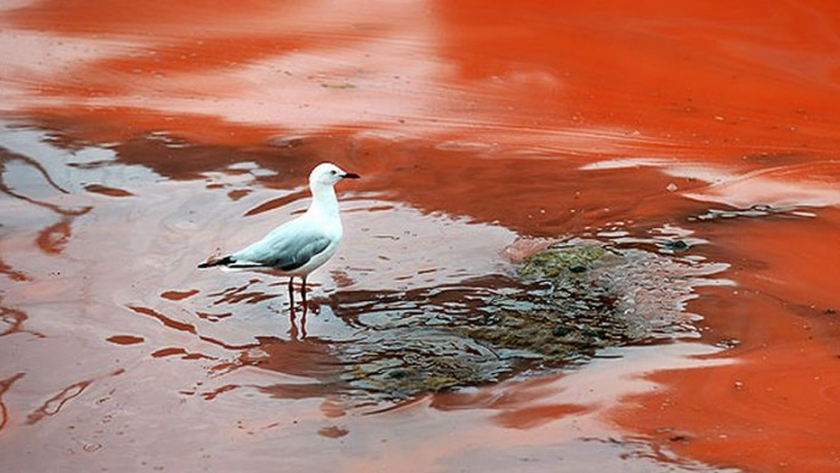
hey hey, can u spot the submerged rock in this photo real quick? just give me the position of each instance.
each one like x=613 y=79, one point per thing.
x=562 y=305
x=563 y=315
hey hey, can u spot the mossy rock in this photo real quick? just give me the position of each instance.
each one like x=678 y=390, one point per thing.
x=563 y=305
x=558 y=262
x=574 y=318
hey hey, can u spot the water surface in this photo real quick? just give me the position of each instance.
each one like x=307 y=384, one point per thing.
x=137 y=140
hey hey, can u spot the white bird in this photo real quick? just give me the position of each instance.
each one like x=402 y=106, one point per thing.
x=302 y=245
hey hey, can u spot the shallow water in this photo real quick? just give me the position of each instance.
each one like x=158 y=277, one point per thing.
x=137 y=141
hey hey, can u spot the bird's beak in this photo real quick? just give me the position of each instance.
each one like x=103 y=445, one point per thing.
x=351 y=175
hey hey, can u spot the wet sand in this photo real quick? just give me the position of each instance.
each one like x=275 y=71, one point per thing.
x=138 y=141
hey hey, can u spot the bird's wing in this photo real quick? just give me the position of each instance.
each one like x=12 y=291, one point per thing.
x=287 y=248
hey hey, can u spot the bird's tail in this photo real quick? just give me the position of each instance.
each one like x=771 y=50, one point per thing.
x=227 y=260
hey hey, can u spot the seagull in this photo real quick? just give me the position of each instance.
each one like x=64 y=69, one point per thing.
x=299 y=246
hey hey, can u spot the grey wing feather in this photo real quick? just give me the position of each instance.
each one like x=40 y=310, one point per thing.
x=286 y=248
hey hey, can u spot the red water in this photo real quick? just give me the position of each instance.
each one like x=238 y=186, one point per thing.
x=140 y=138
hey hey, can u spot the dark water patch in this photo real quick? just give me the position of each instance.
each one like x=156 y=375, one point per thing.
x=179 y=295
x=126 y=339
x=108 y=191
x=182 y=353
x=166 y=321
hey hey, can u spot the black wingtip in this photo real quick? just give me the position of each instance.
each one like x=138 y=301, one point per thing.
x=219 y=262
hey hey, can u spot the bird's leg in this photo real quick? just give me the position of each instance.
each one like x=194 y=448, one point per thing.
x=305 y=308
x=303 y=295
x=292 y=296
x=293 y=329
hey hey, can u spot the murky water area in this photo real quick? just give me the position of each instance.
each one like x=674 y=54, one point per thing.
x=696 y=143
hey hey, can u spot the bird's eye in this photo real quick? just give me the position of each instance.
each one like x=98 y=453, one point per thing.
x=333 y=172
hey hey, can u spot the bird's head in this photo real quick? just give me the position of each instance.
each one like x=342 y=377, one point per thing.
x=329 y=174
